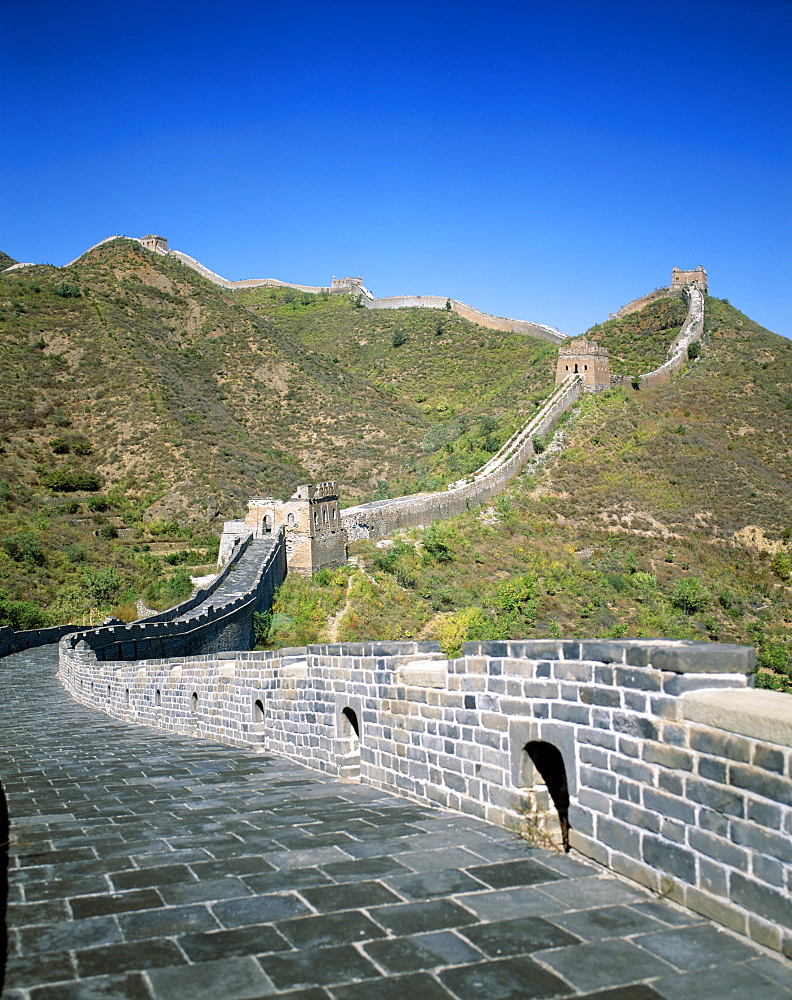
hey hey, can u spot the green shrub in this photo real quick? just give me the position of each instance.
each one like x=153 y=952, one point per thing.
x=60 y=446
x=67 y=291
x=694 y=350
x=21 y=615
x=782 y=565
x=103 y=583
x=399 y=338
x=24 y=548
x=71 y=481
x=108 y=531
x=82 y=447
x=97 y=503
x=689 y=595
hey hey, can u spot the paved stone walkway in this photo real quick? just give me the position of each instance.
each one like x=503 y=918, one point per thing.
x=145 y=865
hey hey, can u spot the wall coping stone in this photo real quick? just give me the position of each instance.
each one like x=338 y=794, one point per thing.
x=680 y=656
x=756 y=713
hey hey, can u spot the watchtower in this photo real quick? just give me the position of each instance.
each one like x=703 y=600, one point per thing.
x=152 y=242
x=314 y=536
x=679 y=279
x=586 y=358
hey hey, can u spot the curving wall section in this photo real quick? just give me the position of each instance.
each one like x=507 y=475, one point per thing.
x=667 y=768
x=216 y=619
x=382 y=517
x=692 y=330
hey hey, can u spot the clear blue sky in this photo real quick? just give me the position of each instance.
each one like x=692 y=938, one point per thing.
x=545 y=161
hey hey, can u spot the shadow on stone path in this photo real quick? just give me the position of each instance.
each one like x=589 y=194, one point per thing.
x=154 y=867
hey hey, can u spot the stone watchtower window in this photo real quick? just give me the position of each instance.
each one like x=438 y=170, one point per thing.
x=290 y=519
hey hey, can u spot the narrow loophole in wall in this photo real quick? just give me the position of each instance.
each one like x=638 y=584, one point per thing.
x=549 y=763
x=349 y=744
x=194 y=702
x=158 y=698
x=350 y=715
x=258 y=710
x=126 y=696
x=108 y=692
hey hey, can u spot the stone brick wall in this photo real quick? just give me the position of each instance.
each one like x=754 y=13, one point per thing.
x=677 y=774
x=15 y=642
x=539 y=330
x=382 y=517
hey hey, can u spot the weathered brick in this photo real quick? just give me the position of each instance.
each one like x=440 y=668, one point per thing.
x=763 y=841
x=635 y=701
x=761 y=783
x=570 y=713
x=716 y=797
x=715 y=822
x=720 y=744
x=601 y=781
x=670 y=858
x=633 y=769
x=718 y=849
x=768 y=870
x=672 y=757
x=667 y=805
x=713 y=877
x=634 y=725
x=618 y=836
x=768 y=758
x=635 y=677
x=593 y=755
x=758 y=898
x=600 y=696
x=629 y=791
x=636 y=816
x=670 y=781
x=764 y=813
x=712 y=769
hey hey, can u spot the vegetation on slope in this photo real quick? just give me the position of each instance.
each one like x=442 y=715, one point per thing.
x=666 y=512
x=130 y=377
x=639 y=342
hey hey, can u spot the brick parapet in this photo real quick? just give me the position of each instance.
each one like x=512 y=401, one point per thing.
x=695 y=811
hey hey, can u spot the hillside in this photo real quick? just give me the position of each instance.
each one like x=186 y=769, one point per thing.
x=142 y=399
x=143 y=405
x=664 y=512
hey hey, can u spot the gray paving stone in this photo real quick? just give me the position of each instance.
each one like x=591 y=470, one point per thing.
x=731 y=982
x=346 y=927
x=349 y=896
x=506 y=979
x=438 y=883
x=695 y=947
x=255 y=939
x=517 y=937
x=231 y=978
x=421 y=952
x=69 y=934
x=259 y=909
x=607 y=922
x=32 y=970
x=604 y=963
x=431 y=915
x=169 y=921
x=318 y=967
x=417 y=987
x=128 y=986
x=506 y=874
x=125 y=957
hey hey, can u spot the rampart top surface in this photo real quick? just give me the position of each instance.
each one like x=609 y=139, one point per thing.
x=148 y=864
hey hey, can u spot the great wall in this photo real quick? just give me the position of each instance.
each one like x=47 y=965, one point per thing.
x=654 y=758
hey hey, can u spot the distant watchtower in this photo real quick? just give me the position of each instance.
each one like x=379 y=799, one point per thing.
x=586 y=358
x=314 y=536
x=152 y=242
x=679 y=279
